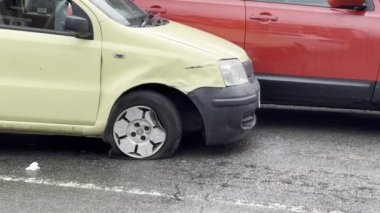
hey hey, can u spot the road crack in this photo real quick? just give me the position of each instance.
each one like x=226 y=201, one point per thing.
x=178 y=195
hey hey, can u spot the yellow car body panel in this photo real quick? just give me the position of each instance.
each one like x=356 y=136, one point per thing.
x=54 y=84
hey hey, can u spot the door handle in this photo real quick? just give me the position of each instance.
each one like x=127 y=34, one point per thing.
x=264 y=17
x=155 y=9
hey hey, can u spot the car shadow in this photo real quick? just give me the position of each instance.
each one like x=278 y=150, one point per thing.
x=54 y=144
x=327 y=122
x=193 y=146
x=301 y=119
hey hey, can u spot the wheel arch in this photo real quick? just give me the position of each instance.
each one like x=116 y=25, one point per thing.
x=191 y=118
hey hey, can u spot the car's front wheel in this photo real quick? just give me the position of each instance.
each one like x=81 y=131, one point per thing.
x=144 y=125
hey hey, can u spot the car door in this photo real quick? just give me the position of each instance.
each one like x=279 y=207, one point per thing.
x=375 y=48
x=306 y=52
x=47 y=75
x=224 y=18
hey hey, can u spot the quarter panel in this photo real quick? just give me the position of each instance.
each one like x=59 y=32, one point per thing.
x=150 y=59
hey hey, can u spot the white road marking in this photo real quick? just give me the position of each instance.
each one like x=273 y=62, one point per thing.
x=72 y=184
x=91 y=186
x=256 y=205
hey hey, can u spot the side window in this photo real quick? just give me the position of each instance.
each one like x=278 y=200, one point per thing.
x=39 y=14
x=318 y=3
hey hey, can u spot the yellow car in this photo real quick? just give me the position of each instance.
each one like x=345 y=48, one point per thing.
x=105 y=68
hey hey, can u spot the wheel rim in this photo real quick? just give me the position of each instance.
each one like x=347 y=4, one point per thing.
x=138 y=132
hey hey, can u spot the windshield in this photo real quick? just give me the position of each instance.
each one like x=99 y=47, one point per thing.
x=123 y=11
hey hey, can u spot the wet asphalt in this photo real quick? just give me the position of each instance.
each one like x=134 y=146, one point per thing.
x=294 y=161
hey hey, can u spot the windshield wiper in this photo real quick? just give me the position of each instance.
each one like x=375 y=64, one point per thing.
x=147 y=20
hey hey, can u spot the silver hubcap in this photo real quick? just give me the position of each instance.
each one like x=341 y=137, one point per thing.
x=138 y=133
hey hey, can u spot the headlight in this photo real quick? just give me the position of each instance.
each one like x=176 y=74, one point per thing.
x=233 y=72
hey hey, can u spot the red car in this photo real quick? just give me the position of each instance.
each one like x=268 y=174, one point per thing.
x=305 y=52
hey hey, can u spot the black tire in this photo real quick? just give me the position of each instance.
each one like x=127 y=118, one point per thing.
x=166 y=112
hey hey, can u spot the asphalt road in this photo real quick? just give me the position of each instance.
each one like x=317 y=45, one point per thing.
x=294 y=161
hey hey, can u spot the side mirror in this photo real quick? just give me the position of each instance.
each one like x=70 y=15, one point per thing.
x=348 y=4
x=77 y=25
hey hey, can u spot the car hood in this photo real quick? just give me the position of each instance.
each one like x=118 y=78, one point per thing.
x=218 y=47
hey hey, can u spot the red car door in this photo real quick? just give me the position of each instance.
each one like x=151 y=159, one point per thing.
x=304 y=51
x=375 y=48
x=225 y=18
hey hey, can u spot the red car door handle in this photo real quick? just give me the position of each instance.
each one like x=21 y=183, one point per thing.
x=156 y=9
x=263 y=17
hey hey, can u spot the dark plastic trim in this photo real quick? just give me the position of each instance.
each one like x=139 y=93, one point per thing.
x=228 y=113
x=227 y=102
x=308 y=91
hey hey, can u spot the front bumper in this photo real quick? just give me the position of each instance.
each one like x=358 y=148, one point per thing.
x=228 y=113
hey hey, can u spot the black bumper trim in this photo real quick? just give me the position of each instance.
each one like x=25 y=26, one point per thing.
x=228 y=113
x=235 y=101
